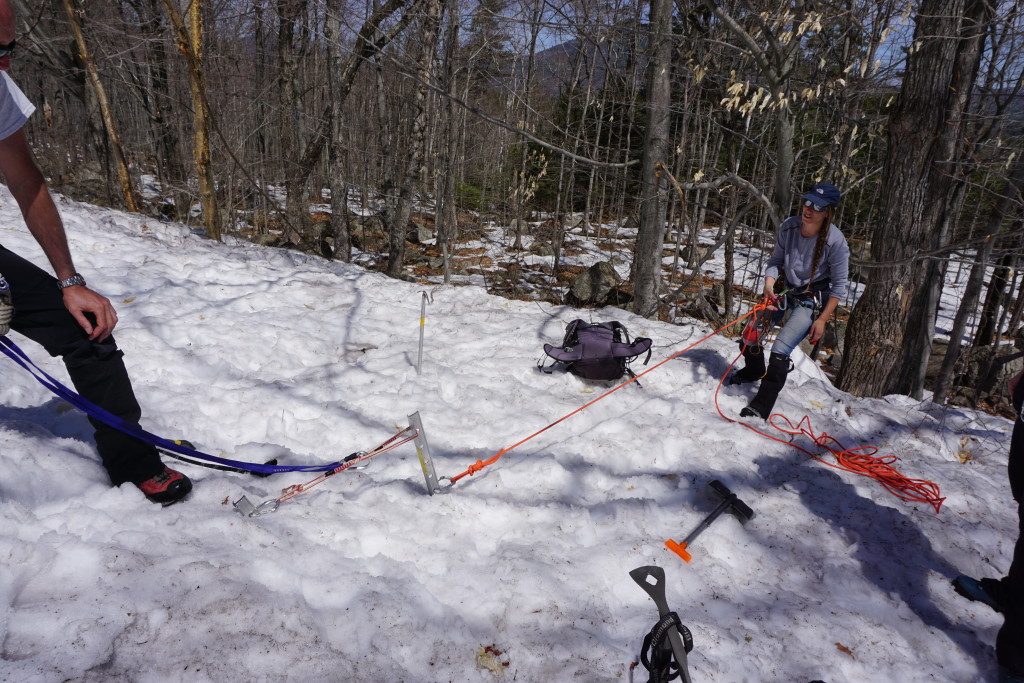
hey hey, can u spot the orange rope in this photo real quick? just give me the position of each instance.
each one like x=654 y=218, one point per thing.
x=480 y=464
x=858 y=460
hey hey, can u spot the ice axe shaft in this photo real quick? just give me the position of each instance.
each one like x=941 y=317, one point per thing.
x=730 y=502
x=652 y=580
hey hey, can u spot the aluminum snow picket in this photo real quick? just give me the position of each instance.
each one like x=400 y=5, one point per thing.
x=423 y=452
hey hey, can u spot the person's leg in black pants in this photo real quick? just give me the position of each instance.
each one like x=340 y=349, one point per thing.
x=1010 y=640
x=95 y=367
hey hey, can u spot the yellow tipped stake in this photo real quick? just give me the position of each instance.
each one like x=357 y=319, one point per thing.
x=423 y=324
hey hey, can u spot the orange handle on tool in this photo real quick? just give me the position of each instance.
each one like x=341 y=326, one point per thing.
x=679 y=549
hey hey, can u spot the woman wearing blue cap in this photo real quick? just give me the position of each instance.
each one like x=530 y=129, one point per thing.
x=812 y=256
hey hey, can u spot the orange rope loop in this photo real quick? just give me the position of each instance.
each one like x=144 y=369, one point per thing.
x=860 y=460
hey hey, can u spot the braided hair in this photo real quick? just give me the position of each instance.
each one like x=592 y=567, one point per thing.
x=819 y=247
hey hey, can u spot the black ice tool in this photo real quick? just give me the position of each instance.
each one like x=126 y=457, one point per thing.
x=652 y=580
x=730 y=503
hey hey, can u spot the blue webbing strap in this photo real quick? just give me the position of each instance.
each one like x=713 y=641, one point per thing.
x=12 y=351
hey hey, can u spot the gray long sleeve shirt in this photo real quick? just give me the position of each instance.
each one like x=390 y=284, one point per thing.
x=794 y=254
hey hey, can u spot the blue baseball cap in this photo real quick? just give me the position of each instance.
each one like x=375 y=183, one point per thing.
x=823 y=194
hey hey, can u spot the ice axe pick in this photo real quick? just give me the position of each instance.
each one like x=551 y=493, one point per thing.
x=730 y=503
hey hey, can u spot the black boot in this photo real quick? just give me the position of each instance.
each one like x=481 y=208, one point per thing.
x=778 y=369
x=753 y=368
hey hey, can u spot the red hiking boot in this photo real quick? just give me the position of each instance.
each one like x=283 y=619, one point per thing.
x=167 y=487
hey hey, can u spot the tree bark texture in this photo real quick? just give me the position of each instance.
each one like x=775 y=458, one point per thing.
x=190 y=44
x=335 y=173
x=403 y=210
x=888 y=339
x=73 y=10
x=647 y=253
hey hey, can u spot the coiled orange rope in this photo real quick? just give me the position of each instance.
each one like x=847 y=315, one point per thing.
x=860 y=460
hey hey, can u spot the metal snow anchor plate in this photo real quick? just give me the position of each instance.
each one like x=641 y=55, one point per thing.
x=244 y=506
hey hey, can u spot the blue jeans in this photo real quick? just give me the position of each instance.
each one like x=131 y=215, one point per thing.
x=797 y=325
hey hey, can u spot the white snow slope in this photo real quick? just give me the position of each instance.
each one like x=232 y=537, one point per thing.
x=519 y=572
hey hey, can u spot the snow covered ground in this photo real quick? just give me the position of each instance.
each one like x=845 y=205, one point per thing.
x=519 y=572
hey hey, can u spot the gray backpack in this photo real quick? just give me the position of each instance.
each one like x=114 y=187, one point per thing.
x=599 y=351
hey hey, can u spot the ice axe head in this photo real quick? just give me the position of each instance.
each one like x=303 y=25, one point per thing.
x=730 y=503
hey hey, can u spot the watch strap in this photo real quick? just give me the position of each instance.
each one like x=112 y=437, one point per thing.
x=72 y=281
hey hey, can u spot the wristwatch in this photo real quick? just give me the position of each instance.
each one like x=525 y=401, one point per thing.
x=75 y=279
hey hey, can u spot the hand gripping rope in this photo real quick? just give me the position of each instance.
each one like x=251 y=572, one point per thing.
x=856 y=460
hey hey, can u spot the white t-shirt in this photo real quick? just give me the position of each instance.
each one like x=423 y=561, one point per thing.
x=14 y=107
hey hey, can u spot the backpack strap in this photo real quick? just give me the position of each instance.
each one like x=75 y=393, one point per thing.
x=618 y=330
x=626 y=350
x=570 y=332
x=564 y=355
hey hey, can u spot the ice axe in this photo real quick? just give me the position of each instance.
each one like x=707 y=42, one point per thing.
x=680 y=642
x=730 y=503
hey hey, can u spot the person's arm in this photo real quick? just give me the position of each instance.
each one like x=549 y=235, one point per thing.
x=27 y=184
x=839 y=275
x=818 y=326
x=777 y=261
x=1012 y=385
x=769 y=291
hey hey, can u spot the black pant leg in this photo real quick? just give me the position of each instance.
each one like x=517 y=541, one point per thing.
x=96 y=369
x=1010 y=641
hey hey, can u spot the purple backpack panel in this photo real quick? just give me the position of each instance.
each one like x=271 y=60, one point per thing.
x=599 y=351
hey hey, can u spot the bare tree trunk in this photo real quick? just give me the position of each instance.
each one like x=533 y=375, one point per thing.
x=369 y=41
x=163 y=109
x=400 y=217
x=288 y=13
x=987 y=327
x=888 y=339
x=190 y=42
x=969 y=302
x=73 y=11
x=447 y=216
x=338 y=184
x=647 y=253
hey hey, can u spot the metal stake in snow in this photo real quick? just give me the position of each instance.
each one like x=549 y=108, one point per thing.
x=423 y=322
x=423 y=451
